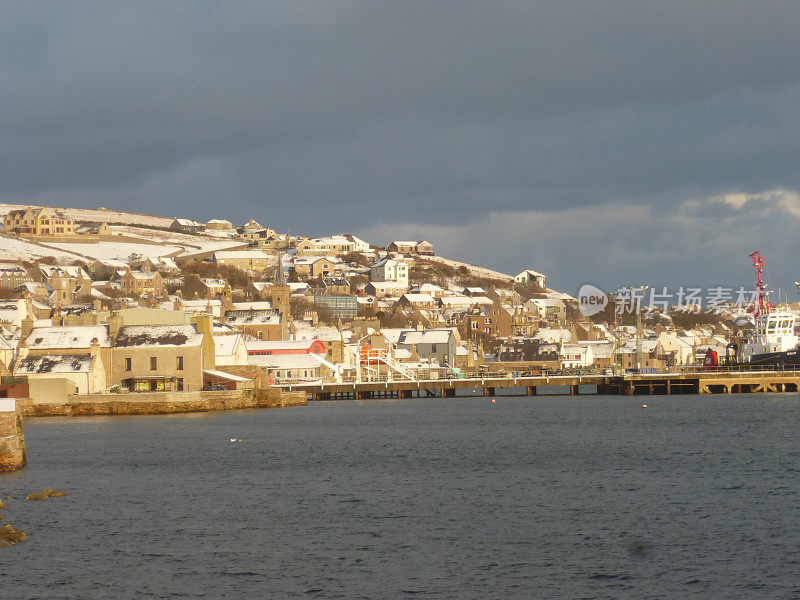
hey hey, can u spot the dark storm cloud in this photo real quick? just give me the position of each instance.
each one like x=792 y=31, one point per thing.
x=341 y=116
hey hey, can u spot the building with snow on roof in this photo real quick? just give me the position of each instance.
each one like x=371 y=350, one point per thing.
x=529 y=276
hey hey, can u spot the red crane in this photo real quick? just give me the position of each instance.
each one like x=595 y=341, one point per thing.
x=762 y=306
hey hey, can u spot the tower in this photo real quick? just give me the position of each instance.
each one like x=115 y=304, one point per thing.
x=279 y=294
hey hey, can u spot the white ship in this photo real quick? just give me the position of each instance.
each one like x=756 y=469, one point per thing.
x=773 y=340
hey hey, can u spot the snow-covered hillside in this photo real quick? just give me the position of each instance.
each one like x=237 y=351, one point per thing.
x=99 y=216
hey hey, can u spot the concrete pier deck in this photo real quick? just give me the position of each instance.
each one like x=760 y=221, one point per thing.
x=690 y=382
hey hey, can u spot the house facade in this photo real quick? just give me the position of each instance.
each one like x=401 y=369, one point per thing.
x=390 y=269
x=39 y=221
x=337 y=245
x=410 y=247
x=159 y=358
x=529 y=276
x=187 y=226
x=140 y=283
x=246 y=260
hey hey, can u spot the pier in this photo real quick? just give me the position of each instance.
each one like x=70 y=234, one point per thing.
x=696 y=382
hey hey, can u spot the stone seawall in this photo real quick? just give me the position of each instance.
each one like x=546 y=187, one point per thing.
x=12 y=436
x=163 y=403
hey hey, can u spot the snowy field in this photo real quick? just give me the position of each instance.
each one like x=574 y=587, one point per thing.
x=193 y=243
x=117 y=250
x=14 y=249
x=473 y=270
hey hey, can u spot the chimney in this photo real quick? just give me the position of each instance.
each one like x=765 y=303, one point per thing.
x=22 y=350
x=27 y=327
x=115 y=323
x=204 y=326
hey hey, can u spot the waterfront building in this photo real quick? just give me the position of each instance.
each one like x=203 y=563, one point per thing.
x=162 y=357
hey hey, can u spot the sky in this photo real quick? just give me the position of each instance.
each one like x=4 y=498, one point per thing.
x=612 y=143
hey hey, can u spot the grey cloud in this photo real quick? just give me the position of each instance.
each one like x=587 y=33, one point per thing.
x=342 y=115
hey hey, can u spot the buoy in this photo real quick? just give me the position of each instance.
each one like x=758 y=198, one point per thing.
x=644 y=405
x=233 y=440
x=493 y=400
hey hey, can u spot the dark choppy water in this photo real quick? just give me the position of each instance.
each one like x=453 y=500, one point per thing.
x=559 y=497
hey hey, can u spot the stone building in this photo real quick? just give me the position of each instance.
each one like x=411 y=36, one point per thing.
x=39 y=221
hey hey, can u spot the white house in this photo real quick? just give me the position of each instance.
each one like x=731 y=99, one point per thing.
x=531 y=276
x=230 y=350
x=389 y=269
x=575 y=355
x=85 y=371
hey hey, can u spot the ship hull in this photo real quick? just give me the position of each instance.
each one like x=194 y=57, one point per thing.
x=790 y=358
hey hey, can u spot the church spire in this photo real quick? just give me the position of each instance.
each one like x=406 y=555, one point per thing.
x=280 y=276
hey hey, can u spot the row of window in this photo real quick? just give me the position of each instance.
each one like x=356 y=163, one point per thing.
x=153 y=363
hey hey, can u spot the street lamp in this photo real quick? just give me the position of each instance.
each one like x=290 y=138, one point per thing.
x=642 y=289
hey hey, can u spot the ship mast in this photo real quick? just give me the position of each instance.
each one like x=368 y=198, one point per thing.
x=762 y=306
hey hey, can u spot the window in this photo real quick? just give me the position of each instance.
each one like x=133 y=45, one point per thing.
x=179 y=384
x=153 y=363
x=127 y=364
x=180 y=363
x=260 y=335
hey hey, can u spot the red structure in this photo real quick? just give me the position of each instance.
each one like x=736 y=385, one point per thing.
x=762 y=306
x=370 y=355
x=711 y=360
x=282 y=347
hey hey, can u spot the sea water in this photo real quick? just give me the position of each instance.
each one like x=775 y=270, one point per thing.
x=526 y=497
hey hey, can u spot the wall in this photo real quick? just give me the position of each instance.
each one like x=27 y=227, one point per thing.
x=50 y=390
x=156 y=403
x=166 y=363
x=12 y=436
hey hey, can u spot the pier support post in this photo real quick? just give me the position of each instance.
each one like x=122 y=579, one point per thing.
x=532 y=391
x=488 y=391
x=574 y=390
x=449 y=393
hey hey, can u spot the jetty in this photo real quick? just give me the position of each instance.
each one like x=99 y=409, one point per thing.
x=685 y=382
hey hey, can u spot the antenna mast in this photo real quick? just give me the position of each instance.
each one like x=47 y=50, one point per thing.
x=762 y=306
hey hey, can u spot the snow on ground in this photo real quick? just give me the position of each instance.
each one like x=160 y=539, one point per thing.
x=99 y=216
x=193 y=243
x=16 y=249
x=117 y=250
x=477 y=271
x=124 y=250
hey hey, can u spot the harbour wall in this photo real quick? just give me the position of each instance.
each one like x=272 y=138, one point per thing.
x=161 y=403
x=12 y=436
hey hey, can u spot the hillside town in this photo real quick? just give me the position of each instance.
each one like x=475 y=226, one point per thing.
x=103 y=302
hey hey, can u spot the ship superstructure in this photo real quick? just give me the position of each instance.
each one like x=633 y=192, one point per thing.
x=773 y=340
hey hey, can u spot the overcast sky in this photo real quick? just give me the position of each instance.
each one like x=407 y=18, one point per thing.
x=604 y=142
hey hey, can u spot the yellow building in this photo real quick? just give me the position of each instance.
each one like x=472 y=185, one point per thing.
x=39 y=221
